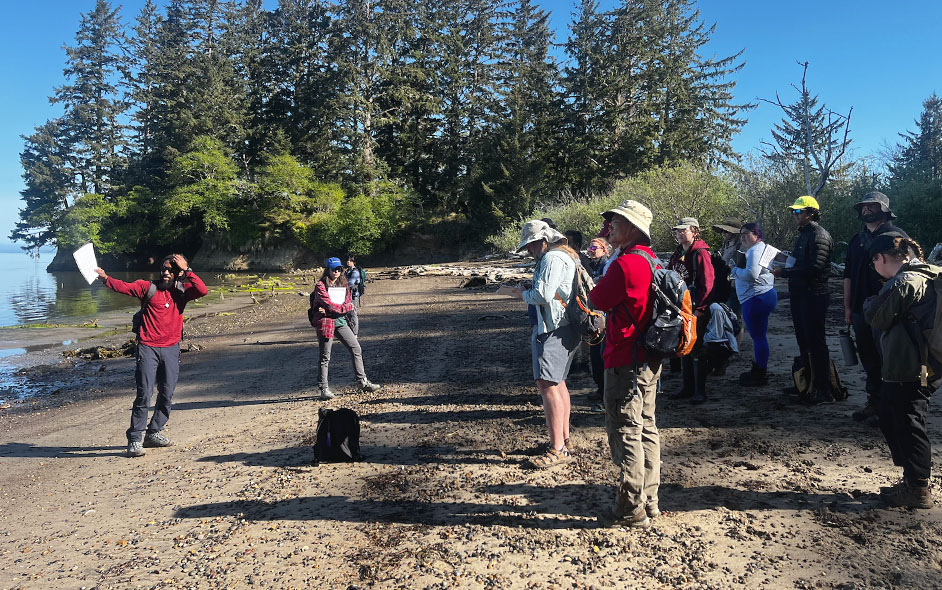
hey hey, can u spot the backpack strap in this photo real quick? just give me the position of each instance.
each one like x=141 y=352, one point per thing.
x=151 y=291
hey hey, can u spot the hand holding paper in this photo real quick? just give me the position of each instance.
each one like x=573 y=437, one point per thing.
x=86 y=262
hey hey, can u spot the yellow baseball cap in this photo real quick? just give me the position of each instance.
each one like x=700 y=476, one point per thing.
x=803 y=202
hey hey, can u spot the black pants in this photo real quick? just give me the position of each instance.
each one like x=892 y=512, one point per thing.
x=902 y=408
x=809 y=312
x=598 y=366
x=160 y=367
x=866 y=342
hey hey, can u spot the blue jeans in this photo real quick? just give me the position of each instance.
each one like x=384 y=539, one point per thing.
x=755 y=313
x=160 y=367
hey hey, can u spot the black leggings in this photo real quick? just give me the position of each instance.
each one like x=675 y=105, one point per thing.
x=809 y=313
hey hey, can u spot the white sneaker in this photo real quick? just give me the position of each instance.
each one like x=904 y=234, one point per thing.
x=326 y=394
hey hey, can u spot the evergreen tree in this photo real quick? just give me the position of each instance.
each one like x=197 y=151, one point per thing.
x=583 y=87
x=139 y=81
x=93 y=136
x=515 y=165
x=811 y=137
x=302 y=84
x=694 y=114
x=49 y=184
x=916 y=175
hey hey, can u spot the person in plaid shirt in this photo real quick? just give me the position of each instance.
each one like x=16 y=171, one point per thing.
x=330 y=320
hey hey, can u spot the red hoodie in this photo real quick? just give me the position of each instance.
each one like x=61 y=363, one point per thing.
x=700 y=282
x=163 y=314
x=624 y=293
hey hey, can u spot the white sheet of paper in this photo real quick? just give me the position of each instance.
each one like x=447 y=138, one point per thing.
x=770 y=252
x=790 y=262
x=85 y=260
x=337 y=295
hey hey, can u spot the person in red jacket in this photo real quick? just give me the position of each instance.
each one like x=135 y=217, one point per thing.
x=631 y=376
x=158 y=345
x=691 y=260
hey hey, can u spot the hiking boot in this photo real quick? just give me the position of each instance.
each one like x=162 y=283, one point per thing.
x=637 y=518
x=908 y=496
x=652 y=510
x=893 y=488
x=820 y=396
x=368 y=387
x=864 y=413
x=720 y=369
x=326 y=394
x=754 y=377
x=136 y=449
x=156 y=439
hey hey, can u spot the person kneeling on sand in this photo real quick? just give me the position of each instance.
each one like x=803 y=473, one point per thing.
x=158 y=345
x=630 y=375
x=331 y=321
x=553 y=341
x=904 y=305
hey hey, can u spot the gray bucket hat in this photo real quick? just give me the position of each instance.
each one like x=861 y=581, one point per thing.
x=730 y=224
x=637 y=215
x=876 y=197
x=538 y=230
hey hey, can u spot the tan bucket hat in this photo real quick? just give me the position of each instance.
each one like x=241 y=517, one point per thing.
x=636 y=214
x=538 y=230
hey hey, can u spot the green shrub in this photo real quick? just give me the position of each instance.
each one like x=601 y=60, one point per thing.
x=670 y=192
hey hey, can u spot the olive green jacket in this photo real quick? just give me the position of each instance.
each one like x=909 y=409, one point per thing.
x=902 y=298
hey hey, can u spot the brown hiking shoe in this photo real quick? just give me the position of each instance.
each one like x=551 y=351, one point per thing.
x=637 y=518
x=908 y=496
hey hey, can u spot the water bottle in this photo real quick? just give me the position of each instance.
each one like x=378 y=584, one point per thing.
x=848 y=348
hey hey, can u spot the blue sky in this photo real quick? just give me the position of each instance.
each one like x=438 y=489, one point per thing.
x=882 y=58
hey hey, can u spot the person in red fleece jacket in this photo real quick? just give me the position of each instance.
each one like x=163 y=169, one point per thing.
x=624 y=293
x=158 y=345
x=691 y=260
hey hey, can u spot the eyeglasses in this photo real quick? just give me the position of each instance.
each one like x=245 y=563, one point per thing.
x=796 y=211
x=338 y=269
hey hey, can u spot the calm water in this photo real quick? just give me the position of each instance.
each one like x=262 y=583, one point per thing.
x=30 y=295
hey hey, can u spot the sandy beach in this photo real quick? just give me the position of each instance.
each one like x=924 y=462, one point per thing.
x=757 y=491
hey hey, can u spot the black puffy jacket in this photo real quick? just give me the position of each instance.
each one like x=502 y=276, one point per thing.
x=812 y=253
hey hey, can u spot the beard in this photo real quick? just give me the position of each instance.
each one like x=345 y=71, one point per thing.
x=166 y=284
x=872 y=217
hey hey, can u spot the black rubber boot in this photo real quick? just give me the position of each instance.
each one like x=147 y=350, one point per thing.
x=686 y=368
x=754 y=377
x=700 y=375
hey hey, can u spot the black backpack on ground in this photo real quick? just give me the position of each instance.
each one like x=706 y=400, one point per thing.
x=338 y=436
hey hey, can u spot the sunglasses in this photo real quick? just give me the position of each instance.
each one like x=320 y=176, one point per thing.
x=797 y=211
x=338 y=269
x=592 y=248
x=167 y=269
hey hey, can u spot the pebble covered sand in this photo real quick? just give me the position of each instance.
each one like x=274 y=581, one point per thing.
x=757 y=491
